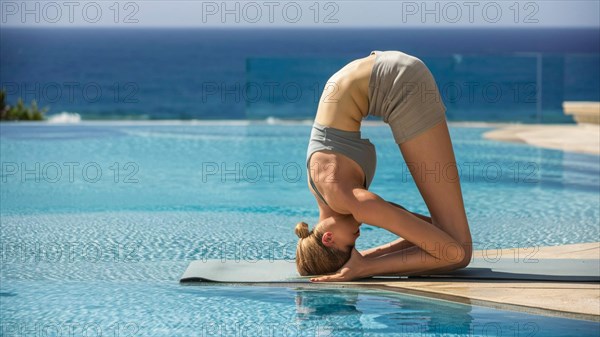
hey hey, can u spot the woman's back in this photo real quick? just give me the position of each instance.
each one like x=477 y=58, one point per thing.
x=344 y=101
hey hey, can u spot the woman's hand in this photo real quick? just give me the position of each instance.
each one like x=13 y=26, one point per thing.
x=351 y=270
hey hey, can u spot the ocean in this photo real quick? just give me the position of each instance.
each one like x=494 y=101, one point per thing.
x=495 y=75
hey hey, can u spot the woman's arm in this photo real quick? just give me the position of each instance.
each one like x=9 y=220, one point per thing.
x=396 y=245
x=367 y=207
x=411 y=261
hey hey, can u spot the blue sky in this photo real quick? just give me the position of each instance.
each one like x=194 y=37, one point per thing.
x=290 y=14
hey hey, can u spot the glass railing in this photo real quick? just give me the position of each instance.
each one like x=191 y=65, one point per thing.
x=527 y=87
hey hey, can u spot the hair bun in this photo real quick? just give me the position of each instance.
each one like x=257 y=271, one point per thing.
x=302 y=230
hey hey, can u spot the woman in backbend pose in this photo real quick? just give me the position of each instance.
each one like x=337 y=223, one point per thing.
x=400 y=89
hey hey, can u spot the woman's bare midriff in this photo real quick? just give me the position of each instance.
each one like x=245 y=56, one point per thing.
x=343 y=105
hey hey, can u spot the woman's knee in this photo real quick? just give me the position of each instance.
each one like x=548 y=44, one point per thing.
x=467 y=254
x=456 y=254
x=458 y=228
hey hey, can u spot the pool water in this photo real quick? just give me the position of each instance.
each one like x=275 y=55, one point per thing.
x=56 y=308
x=99 y=220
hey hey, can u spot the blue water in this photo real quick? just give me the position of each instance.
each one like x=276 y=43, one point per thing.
x=99 y=221
x=486 y=74
x=161 y=309
x=197 y=183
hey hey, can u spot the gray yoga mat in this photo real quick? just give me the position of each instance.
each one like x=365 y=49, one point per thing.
x=283 y=271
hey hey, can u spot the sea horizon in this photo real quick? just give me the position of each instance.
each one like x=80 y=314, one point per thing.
x=181 y=73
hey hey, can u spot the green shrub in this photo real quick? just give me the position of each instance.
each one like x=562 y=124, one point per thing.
x=20 y=112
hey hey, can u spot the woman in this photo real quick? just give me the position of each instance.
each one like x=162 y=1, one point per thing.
x=400 y=89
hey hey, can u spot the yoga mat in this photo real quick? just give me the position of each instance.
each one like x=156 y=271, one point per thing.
x=283 y=271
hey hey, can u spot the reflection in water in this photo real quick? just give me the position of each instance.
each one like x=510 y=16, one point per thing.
x=332 y=311
x=427 y=317
x=347 y=312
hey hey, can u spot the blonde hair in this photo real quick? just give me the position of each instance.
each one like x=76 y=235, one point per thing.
x=313 y=257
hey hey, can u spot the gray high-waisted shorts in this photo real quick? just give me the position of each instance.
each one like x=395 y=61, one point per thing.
x=404 y=94
x=348 y=143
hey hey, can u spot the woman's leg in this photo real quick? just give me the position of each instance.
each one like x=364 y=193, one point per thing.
x=430 y=159
x=366 y=207
x=444 y=244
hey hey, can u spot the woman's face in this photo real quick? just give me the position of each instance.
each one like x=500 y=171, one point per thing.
x=340 y=232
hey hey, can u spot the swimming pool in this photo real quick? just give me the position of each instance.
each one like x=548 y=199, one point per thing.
x=167 y=309
x=99 y=220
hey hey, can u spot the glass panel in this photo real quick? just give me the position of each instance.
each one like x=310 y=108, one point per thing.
x=520 y=87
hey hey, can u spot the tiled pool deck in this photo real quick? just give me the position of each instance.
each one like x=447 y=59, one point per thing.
x=581 y=138
x=567 y=299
